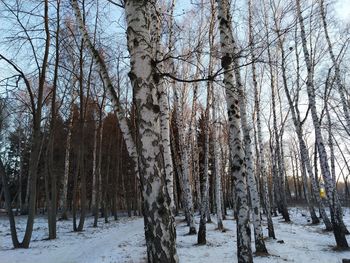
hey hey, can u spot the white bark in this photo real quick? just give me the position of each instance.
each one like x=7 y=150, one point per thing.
x=204 y=208
x=252 y=186
x=341 y=87
x=298 y=128
x=163 y=104
x=262 y=162
x=159 y=222
x=323 y=158
x=227 y=41
x=187 y=192
x=217 y=157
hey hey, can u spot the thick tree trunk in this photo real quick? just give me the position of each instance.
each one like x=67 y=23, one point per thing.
x=159 y=222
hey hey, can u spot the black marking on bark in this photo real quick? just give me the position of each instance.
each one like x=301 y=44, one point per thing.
x=156 y=108
x=156 y=78
x=256 y=210
x=223 y=21
x=226 y=61
x=235 y=168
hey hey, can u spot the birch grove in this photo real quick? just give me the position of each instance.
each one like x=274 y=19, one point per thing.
x=182 y=112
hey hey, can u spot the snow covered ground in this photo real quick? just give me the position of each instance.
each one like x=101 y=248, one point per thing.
x=123 y=241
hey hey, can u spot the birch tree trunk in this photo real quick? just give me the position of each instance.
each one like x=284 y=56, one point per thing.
x=217 y=163
x=323 y=158
x=332 y=159
x=252 y=186
x=262 y=162
x=164 y=106
x=205 y=180
x=341 y=87
x=127 y=135
x=227 y=42
x=298 y=128
x=159 y=222
x=282 y=202
x=204 y=208
x=187 y=193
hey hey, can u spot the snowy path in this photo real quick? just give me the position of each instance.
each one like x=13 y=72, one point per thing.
x=120 y=241
x=123 y=242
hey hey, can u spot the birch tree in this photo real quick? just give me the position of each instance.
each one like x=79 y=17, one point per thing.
x=341 y=86
x=336 y=216
x=159 y=223
x=228 y=61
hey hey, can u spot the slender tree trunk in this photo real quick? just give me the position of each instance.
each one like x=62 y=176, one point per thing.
x=36 y=139
x=63 y=198
x=282 y=202
x=98 y=171
x=123 y=124
x=7 y=196
x=94 y=176
x=297 y=124
x=217 y=163
x=332 y=159
x=204 y=208
x=262 y=164
x=51 y=174
x=228 y=51
x=187 y=192
x=341 y=88
x=252 y=186
x=330 y=187
x=164 y=115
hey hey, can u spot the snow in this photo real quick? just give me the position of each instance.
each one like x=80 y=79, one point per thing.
x=123 y=241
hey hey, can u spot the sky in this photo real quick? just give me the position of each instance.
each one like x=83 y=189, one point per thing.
x=343 y=10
